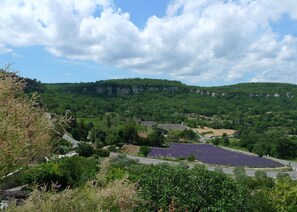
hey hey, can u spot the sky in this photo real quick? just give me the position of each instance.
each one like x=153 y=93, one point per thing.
x=198 y=42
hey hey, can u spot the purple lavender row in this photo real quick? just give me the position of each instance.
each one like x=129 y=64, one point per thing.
x=211 y=154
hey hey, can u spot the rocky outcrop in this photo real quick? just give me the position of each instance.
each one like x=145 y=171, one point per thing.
x=134 y=90
x=124 y=91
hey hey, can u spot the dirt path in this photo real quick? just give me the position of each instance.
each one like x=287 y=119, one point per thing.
x=249 y=172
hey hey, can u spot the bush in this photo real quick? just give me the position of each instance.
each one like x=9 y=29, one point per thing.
x=102 y=152
x=164 y=187
x=25 y=130
x=281 y=175
x=191 y=158
x=112 y=148
x=85 y=150
x=122 y=161
x=60 y=146
x=118 y=195
x=239 y=173
x=144 y=151
x=215 y=141
x=73 y=171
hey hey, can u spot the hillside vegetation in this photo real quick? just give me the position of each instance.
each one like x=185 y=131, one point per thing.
x=264 y=115
x=88 y=182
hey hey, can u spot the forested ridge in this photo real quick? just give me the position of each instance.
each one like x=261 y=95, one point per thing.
x=145 y=85
x=162 y=99
x=264 y=115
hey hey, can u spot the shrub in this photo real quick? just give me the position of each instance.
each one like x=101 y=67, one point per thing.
x=239 y=173
x=144 y=151
x=122 y=161
x=194 y=189
x=85 y=149
x=102 y=152
x=191 y=158
x=112 y=148
x=216 y=141
x=25 y=131
x=118 y=195
x=73 y=171
x=281 y=175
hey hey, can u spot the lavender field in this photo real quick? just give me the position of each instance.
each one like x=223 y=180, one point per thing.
x=210 y=154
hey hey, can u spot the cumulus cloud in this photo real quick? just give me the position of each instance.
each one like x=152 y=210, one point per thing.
x=195 y=41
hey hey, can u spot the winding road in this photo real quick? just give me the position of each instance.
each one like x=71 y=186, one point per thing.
x=249 y=172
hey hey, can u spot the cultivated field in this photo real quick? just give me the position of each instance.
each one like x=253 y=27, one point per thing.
x=210 y=154
x=173 y=126
x=130 y=149
x=214 y=132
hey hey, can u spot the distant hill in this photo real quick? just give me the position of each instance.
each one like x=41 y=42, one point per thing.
x=122 y=87
x=164 y=100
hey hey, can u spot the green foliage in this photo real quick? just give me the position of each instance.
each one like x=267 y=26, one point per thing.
x=112 y=148
x=80 y=130
x=225 y=140
x=254 y=110
x=128 y=133
x=168 y=188
x=116 y=195
x=121 y=161
x=286 y=148
x=216 y=141
x=68 y=171
x=191 y=158
x=197 y=189
x=156 y=138
x=219 y=170
x=284 y=195
x=85 y=149
x=189 y=134
x=162 y=106
x=60 y=146
x=102 y=152
x=144 y=151
x=260 y=175
x=239 y=173
x=281 y=175
x=108 y=122
x=97 y=135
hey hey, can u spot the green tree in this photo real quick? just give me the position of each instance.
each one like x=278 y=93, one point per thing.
x=144 y=151
x=108 y=122
x=191 y=158
x=239 y=173
x=284 y=195
x=215 y=141
x=67 y=171
x=156 y=137
x=85 y=149
x=286 y=148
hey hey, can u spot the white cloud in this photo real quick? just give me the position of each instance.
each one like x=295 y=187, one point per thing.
x=4 y=50
x=199 y=40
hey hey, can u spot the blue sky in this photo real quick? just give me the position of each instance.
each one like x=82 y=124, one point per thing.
x=199 y=42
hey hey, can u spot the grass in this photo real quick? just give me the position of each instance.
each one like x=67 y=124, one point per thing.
x=234 y=144
x=236 y=148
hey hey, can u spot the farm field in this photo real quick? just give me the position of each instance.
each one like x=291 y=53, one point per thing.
x=130 y=149
x=209 y=154
x=214 y=132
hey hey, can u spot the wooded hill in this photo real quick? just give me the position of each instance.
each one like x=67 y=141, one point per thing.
x=163 y=100
x=124 y=87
